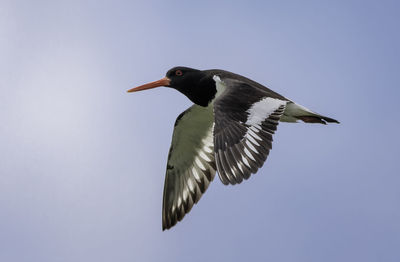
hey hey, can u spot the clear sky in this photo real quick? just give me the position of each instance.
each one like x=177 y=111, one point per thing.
x=82 y=162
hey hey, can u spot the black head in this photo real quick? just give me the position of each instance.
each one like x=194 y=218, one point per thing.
x=197 y=85
x=183 y=76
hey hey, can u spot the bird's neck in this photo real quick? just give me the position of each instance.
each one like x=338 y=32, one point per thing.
x=202 y=93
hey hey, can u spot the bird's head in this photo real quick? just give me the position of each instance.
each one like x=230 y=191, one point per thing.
x=183 y=77
x=195 y=84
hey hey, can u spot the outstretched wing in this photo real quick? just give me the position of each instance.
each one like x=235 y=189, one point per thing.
x=246 y=117
x=191 y=164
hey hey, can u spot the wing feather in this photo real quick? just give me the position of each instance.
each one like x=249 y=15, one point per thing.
x=245 y=120
x=191 y=164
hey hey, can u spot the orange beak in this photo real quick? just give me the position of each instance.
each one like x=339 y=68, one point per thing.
x=162 y=82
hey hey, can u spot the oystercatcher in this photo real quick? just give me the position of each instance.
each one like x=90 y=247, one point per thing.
x=228 y=129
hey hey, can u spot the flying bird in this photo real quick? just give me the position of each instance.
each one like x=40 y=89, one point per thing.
x=227 y=130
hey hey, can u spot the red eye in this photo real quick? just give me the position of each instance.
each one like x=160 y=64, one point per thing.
x=178 y=72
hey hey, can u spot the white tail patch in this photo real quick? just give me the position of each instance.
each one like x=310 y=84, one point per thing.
x=293 y=110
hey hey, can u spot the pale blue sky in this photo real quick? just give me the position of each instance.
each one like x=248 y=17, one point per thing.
x=82 y=162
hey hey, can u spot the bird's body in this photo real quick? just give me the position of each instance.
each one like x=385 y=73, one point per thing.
x=228 y=130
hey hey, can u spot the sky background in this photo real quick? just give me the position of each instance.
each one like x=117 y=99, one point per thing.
x=82 y=162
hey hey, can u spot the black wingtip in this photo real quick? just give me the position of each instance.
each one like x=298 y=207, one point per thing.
x=165 y=227
x=168 y=224
x=331 y=120
x=317 y=119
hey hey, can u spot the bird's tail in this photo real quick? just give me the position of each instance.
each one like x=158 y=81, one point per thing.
x=295 y=112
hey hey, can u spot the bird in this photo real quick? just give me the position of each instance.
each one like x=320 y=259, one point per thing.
x=228 y=130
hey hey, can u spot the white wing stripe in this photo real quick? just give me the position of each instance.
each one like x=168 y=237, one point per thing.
x=261 y=110
x=253 y=128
